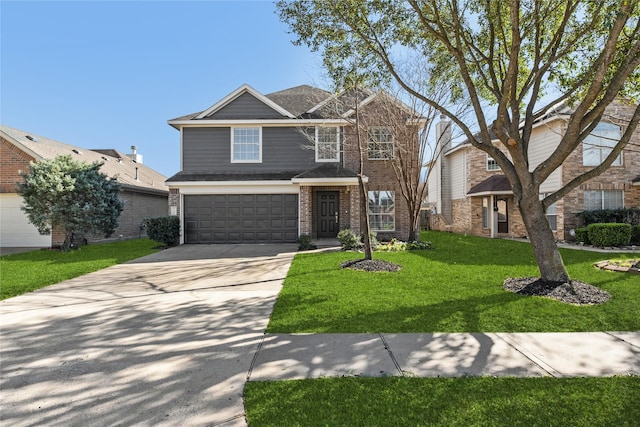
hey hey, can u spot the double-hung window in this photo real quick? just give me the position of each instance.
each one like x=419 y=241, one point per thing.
x=382 y=211
x=246 y=145
x=380 y=144
x=327 y=144
x=603 y=199
x=492 y=165
x=599 y=144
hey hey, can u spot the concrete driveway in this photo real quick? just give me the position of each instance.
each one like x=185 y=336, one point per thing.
x=167 y=339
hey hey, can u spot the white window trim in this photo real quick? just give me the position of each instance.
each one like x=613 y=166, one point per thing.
x=259 y=144
x=618 y=161
x=497 y=168
x=393 y=144
x=394 y=211
x=337 y=158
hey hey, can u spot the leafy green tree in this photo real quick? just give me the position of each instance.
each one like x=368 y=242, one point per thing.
x=72 y=195
x=520 y=57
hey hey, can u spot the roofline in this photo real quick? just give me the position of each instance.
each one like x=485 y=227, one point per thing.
x=261 y=122
x=491 y=193
x=328 y=181
x=147 y=190
x=21 y=146
x=245 y=88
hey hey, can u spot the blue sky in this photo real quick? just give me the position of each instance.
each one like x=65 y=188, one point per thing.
x=110 y=74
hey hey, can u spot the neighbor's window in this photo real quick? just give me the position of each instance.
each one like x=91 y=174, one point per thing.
x=380 y=144
x=246 y=145
x=492 y=165
x=603 y=199
x=599 y=144
x=382 y=210
x=552 y=213
x=327 y=144
x=485 y=212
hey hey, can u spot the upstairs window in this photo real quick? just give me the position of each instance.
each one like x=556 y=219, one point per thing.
x=380 y=144
x=246 y=145
x=327 y=144
x=492 y=165
x=599 y=144
x=382 y=211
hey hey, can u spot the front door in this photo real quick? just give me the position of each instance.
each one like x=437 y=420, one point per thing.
x=503 y=215
x=328 y=209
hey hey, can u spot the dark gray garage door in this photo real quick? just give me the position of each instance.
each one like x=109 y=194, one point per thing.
x=241 y=218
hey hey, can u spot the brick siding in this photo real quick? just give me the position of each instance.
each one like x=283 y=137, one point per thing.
x=14 y=161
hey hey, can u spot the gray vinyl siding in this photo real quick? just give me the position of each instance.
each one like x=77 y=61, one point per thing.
x=283 y=149
x=246 y=106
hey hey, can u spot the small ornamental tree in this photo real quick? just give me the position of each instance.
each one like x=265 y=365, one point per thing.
x=72 y=195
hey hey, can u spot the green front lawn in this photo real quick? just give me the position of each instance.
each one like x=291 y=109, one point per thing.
x=480 y=401
x=25 y=272
x=456 y=287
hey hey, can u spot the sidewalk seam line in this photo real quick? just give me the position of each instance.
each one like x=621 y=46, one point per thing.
x=393 y=358
x=539 y=363
x=255 y=358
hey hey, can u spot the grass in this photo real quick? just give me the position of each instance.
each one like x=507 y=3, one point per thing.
x=456 y=287
x=479 y=401
x=28 y=271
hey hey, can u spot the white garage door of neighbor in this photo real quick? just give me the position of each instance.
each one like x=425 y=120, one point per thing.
x=15 y=229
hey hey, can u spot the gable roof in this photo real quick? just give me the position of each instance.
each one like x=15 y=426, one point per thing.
x=245 y=88
x=115 y=163
x=300 y=99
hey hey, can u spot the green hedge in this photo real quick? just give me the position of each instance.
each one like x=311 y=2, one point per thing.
x=163 y=229
x=582 y=235
x=609 y=234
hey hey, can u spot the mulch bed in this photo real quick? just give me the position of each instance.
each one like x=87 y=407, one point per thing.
x=371 y=265
x=572 y=292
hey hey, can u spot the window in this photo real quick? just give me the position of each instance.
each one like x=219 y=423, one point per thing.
x=485 y=212
x=552 y=213
x=382 y=211
x=246 y=145
x=380 y=144
x=492 y=165
x=603 y=199
x=599 y=144
x=327 y=144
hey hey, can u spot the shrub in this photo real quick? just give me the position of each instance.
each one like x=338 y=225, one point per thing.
x=395 y=245
x=163 y=229
x=582 y=235
x=635 y=234
x=609 y=234
x=304 y=243
x=349 y=239
x=627 y=216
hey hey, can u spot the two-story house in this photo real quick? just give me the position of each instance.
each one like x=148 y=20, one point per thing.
x=469 y=194
x=268 y=168
x=143 y=190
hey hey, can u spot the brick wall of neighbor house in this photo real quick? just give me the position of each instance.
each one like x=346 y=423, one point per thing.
x=615 y=178
x=14 y=161
x=137 y=207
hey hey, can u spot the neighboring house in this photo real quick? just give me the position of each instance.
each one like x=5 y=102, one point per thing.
x=269 y=168
x=143 y=190
x=469 y=194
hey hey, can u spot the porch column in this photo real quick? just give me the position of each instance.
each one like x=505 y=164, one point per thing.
x=493 y=215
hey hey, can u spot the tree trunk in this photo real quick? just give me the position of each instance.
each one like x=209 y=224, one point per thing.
x=364 y=207
x=544 y=247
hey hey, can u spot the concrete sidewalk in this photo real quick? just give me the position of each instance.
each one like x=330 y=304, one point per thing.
x=300 y=356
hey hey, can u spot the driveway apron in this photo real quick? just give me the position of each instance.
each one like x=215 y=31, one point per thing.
x=167 y=339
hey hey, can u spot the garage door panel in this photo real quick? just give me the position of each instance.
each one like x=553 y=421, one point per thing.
x=243 y=218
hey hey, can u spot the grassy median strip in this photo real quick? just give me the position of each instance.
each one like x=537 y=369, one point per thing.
x=28 y=271
x=470 y=401
x=456 y=287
